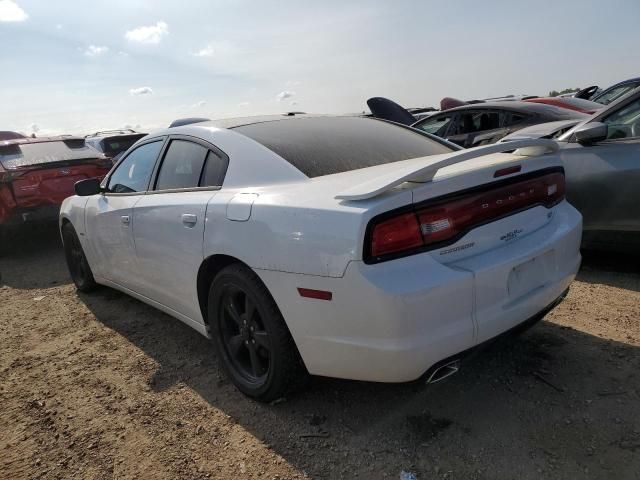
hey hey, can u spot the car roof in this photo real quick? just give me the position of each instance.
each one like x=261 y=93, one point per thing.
x=624 y=82
x=230 y=123
x=513 y=105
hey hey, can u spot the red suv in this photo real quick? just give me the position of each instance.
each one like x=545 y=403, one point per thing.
x=37 y=174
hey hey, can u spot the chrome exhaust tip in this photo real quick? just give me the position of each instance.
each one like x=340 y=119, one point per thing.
x=444 y=371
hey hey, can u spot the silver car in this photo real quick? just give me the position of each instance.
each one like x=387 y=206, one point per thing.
x=601 y=157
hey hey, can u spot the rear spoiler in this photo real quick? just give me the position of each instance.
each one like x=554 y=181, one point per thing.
x=424 y=172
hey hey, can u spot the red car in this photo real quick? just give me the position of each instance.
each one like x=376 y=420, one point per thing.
x=37 y=174
x=571 y=103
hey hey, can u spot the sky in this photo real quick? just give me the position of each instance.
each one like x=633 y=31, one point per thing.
x=76 y=67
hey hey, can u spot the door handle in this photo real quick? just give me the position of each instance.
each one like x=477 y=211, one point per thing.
x=189 y=220
x=125 y=219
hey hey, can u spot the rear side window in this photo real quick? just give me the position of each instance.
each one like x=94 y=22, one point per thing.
x=514 y=119
x=214 y=170
x=133 y=173
x=326 y=145
x=182 y=165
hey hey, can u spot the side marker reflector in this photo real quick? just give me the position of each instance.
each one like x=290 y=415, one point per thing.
x=317 y=294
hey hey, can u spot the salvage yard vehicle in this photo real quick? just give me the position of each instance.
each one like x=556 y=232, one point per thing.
x=346 y=247
x=476 y=124
x=577 y=104
x=610 y=94
x=113 y=143
x=601 y=158
x=37 y=174
x=486 y=123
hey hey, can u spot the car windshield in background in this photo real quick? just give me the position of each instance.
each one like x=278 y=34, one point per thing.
x=116 y=145
x=327 y=145
x=607 y=97
x=29 y=154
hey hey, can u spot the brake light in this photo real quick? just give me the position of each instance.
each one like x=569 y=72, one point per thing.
x=397 y=234
x=444 y=221
x=7 y=176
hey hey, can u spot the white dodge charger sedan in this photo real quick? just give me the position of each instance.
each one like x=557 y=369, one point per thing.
x=347 y=247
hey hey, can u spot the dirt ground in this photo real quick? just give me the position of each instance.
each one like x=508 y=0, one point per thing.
x=102 y=386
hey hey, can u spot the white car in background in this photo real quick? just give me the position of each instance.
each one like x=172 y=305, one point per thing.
x=347 y=247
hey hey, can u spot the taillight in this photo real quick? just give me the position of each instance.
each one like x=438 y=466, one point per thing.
x=443 y=221
x=396 y=234
x=7 y=176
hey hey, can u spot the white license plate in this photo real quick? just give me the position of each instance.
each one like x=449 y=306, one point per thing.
x=529 y=276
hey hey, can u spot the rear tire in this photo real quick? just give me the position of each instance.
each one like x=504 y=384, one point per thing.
x=252 y=340
x=77 y=263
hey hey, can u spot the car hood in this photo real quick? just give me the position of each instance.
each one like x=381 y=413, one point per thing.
x=542 y=130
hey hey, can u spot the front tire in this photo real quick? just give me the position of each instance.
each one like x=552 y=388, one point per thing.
x=77 y=263
x=252 y=340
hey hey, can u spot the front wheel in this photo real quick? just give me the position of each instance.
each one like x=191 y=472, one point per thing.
x=76 y=260
x=251 y=337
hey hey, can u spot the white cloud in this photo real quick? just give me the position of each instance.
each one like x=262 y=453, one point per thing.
x=292 y=83
x=151 y=34
x=10 y=11
x=207 y=51
x=95 y=50
x=123 y=54
x=141 y=91
x=244 y=104
x=293 y=104
x=284 y=95
x=201 y=103
x=59 y=26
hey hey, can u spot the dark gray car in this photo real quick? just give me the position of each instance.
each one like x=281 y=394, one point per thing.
x=601 y=158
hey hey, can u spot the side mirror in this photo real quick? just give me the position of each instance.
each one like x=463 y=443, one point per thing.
x=88 y=187
x=591 y=133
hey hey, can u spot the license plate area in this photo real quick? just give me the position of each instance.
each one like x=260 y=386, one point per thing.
x=529 y=276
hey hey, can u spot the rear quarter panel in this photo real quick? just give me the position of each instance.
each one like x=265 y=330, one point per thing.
x=294 y=229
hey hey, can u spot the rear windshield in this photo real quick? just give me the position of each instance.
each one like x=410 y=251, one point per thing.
x=325 y=145
x=28 y=154
x=115 y=145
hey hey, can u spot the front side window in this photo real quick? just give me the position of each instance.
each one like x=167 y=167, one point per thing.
x=436 y=125
x=625 y=123
x=182 y=165
x=133 y=174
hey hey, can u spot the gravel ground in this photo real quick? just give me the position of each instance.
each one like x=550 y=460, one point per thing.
x=103 y=386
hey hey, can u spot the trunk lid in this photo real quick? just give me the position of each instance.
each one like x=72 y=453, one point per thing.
x=45 y=172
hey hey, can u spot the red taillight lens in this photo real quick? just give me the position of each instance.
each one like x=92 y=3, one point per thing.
x=446 y=220
x=396 y=234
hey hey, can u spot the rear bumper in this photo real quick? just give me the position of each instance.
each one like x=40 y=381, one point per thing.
x=19 y=216
x=393 y=321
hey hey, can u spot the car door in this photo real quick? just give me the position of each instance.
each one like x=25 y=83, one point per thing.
x=170 y=221
x=603 y=178
x=109 y=222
